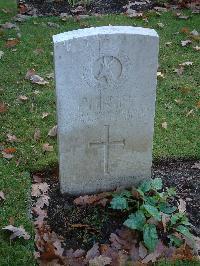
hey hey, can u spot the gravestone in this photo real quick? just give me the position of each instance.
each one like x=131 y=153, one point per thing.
x=106 y=91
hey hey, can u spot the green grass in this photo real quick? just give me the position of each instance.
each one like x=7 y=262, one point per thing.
x=180 y=139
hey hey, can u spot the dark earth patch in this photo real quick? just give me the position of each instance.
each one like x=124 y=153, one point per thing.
x=82 y=226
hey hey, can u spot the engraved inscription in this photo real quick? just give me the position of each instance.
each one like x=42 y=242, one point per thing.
x=107 y=69
x=106 y=144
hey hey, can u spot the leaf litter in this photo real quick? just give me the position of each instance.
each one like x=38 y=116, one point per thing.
x=123 y=244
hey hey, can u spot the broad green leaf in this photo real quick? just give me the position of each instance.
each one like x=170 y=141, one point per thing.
x=119 y=203
x=157 y=183
x=150 y=236
x=150 y=200
x=136 y=221
x=145 y=186
x=184 y=231
x=125 y=193
x=179 y=218
x=167 y=208
x=175 y=240
x=153 y=211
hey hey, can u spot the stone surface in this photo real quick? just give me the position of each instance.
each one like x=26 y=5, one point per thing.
x=106 y=90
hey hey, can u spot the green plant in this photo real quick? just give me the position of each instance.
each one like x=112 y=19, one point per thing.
x=150 y=212
x=72 y=3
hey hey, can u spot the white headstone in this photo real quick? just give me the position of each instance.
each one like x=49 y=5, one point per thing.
x=106 y=91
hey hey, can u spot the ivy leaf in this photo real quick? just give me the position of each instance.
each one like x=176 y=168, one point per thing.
x=119 y=203
x=157 y=183
x=167 y=208
x=145 y=186
x=175 y=240
x=153 y=211
x=150 y=236
x=136 y=221
x=184 y=231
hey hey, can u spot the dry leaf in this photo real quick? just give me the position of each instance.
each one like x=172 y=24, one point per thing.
x=23 y=98
x=45 y=114
x=185 y=30
x=11 y=43
x=142 y=251
x=179 y=70
x=50 y=76
x=92 y=199
x=189 y=113
x=164 y=125
x=168 y=43
x=47 y=147
x=178 y=101
x=34 y=78
x=1 y=54
x=160 y=25
x=7 y=155
x=186 y=64
x=182 y=206
x=10 y=150
x=17 y=232
x=39 y=189
x=185 y=43
x=196 y=48
x=100 y=261
x=2 y=196
x=196 y=165
x=11 y=138
x=165 y=219
x=53 y=131
x=37 y=134
x=160 y=75
x=194 y=33
x=93 y=252
x=160 y=9
x=3 y=107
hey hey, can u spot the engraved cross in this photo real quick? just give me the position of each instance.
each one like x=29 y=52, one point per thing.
x=106 y=144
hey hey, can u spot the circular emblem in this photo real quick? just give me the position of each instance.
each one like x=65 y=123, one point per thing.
x=107 y=69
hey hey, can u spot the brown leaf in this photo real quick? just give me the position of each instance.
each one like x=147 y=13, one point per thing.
x=165 y=219
x=34 y=78
x=11 y=138
x=185 y=30
x=2 y=196
x=17 y=232
x=156 y=254
x=47 y=147
x=10 y=150
x=12 y=43
x=7 y=155
x=92 y=199
x=39 y=188
x=100 y=261
x=37 y=134
x=53 y=131
x=3 y=107
x=183 y=253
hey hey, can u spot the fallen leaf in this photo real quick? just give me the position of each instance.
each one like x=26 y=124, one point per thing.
x=17 y=232
x=93 y=252
x=178 y=101
x=53 y=131
x=180 y=16
x=3 y=107
x=186 y=64
x=7 y=155
x=156 y=254
x=160 y=75
x=100 y=261
x=34 y=78
x=1 y=54
x=2 y=196
x=92 y=199
x=8 y=25
x=160 y=25
x=182 y=206
x=50 y=76
x=185 y=43
x=189 y=113
x=179 y=70
x=164 y=125
x=11 y=138
x=196 y=48
x=142 y=251
x=185 y=30
x=23 y=98
x=168 y=43
x=194 y=33
x=39 y=189
x=165 y=219
x=37 y=134
x=10 y=150
x=196 y=166
x=47 y=147
x=11 y=43
x=45 y=114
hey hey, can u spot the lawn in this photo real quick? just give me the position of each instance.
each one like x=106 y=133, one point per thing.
x=178 y=103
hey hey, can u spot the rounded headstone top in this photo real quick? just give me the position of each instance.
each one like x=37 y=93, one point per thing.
x=93 y=31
